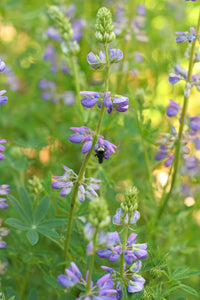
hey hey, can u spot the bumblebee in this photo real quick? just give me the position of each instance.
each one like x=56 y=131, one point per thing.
x=100 y=154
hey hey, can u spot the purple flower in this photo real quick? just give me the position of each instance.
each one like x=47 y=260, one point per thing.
x=96 y=62
x=65 y=183
x=169 y=161
x=2 y=148
x=162 y=153
x=122 y=218
x=53 y=33
x=50 y=52
x=2 y=66
x=141 y=10
x=3 y=99
x=174 y=78
x=185 y=36
x=4 y=189
x=83 y=134
x=116 y=55
x=77 y=28
x=195 y=123
x=68 y=98
x=3 y=205
x=180 y=71
x=136 y=284
x=72 y=278
x=2 y=244
x=92 y=98
x=173 y=108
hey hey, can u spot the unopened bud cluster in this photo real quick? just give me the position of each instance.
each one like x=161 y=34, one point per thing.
x=129 y=203
x=99 y=214
x=66 y=31
x=35 y=185
x=104 y=27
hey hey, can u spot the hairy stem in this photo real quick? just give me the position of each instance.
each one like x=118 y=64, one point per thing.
x=149 y=172
x=85 y=163
x=77 y=86
x=180 y=133
x=91 y=265
x=123 y=249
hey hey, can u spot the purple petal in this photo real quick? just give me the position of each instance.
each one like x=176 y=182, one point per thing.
x=76 y=138
x=86 y=147
x=64 y=281
x=89 y=102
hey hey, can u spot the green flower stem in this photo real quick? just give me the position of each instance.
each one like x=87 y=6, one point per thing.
x=123 y=249
x=149 y=172
x=85 y=163
x=91 y=265
x=77 y=86
x=180 y=133
x=121 y=78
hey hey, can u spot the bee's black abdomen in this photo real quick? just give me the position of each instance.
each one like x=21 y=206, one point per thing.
x=100 y=154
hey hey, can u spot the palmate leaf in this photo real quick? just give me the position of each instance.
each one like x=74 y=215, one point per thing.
x=17 y=224
x=32 y=236
x=41 y=209
x=26 y=203
x=17 y=206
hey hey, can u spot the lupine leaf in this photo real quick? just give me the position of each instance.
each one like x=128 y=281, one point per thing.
x=17 y=206
x=17 y=224
x=171 y=289
x=53 y=282
x=32 y=236
x=47 y=232
x=41 y=209
x=189 y=290
x=26 y=203
x=182 y=273
x=53 y=223
x=11 y=293
x=33 y=295
x=124 y=290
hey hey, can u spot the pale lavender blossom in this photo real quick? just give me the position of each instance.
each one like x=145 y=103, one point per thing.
x=2 y=149
x=3 y=99
x=2 y=66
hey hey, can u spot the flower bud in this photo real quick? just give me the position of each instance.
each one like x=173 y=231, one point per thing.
x=104 y=27
x=99 y=215
x=130 y=200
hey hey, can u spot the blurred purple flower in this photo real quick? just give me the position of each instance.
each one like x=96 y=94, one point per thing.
x=53 y=33
x=68 y=98
x=2 y=148
x=174 y=78
x=3 y=99
x=122 y=218
x=180 y=71
x=2 y=66
x=194 y=123
x=173 y=108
